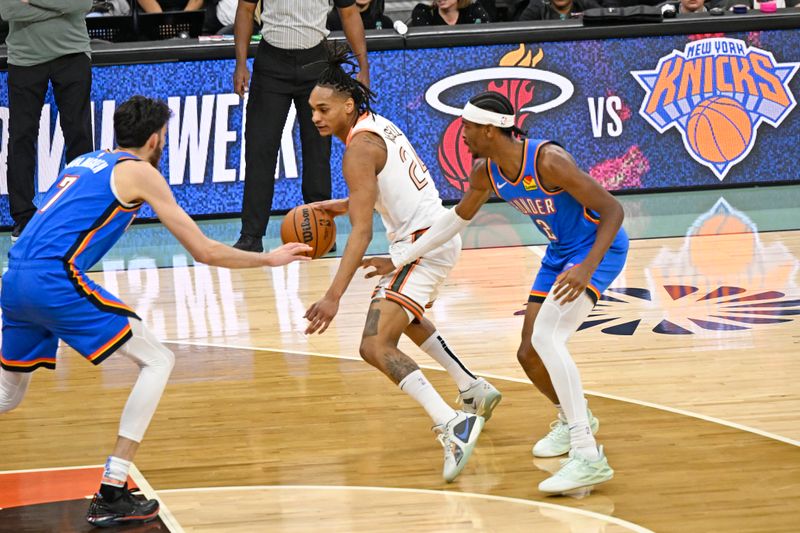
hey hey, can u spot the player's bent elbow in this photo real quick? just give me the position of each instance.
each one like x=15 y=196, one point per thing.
x=203 y=255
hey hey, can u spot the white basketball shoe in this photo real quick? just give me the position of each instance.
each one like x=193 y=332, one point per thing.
x=557 y=441
x=480 y=399
x=458 y=437
x=578 y=472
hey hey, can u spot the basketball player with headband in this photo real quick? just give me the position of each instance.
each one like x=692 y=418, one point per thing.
x=587 y=251
x=384 y=174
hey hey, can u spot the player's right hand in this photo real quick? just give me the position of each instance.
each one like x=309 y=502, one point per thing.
x=241 y=80
x=382 y=266
x=334 y=208
x=288 y=253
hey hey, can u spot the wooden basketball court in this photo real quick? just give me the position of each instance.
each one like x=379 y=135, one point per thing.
x=690 y=362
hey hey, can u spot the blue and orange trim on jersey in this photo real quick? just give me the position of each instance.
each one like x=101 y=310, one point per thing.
x=77 y=277
x=102 y=353
x=590 y=215
x=500 y=171
x=539 y=297
x=27 y=366
x=536 y=172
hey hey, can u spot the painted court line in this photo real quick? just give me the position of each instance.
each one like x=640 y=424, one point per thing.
x=506 y=499
x=682 y=412
x=164 y=513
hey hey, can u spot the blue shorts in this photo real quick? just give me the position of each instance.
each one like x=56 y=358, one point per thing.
x=47 y=300
x=554 y=264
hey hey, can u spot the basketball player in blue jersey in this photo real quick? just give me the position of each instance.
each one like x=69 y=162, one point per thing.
x=47 y=296
x=587 y=251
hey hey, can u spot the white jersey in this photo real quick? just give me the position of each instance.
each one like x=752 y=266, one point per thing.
x=407 y=197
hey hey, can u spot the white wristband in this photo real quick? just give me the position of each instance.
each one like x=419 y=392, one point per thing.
x=442 y=230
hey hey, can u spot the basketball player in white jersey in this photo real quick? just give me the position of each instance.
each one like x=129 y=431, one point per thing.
x=383 y=173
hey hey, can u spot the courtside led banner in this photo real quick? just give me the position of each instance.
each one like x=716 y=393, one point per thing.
x=637 y=113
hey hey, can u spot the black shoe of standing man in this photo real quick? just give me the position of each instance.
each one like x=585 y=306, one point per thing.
x=249 y=243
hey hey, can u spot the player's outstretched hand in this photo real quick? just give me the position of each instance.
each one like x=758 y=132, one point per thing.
x=334 y=207
x=572 y=283
x=382 y=266
x=320 y=314
x=288 y=253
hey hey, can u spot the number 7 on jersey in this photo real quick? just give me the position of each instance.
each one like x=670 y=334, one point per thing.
x=65 y=183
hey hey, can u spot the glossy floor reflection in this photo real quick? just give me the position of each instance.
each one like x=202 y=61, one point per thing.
x=690 y=361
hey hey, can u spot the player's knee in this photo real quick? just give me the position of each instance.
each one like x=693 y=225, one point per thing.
x=8 y=402
x=13 y=386
x=164 y=361
x=168 y=359
x=542 y=340
x=369 y=350
x=527 y=356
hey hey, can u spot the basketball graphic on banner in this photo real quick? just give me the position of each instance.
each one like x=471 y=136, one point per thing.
x=719 y=129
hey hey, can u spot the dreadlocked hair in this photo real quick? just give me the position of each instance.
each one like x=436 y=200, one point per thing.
x=492 y=101
x=335 y=76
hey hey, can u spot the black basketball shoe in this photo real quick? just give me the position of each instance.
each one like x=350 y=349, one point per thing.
x=125 y=509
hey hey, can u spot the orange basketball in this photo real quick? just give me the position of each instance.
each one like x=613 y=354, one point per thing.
x=312 y=226
x=719 y=129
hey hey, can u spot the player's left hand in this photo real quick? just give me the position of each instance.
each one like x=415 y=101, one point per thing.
x=320 y=314
x=287 y=253
x=571 y=283
x=382 y=265
x=334 y=208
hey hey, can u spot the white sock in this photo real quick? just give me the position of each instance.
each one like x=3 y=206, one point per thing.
x=561 y=415
x=116 y=471
x=554 y=325
x=418 y=387
x=582 y=441
x=437 y=348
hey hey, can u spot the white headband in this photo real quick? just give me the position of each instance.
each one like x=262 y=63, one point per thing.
x=484 y=116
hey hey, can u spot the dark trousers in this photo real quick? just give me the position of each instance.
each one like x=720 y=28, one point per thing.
x=279 y=78
x=71 y=76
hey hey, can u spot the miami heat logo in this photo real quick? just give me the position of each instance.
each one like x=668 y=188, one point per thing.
x=717 y=92
x=514 y=79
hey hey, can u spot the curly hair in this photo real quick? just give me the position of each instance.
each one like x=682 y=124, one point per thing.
x=334 y=76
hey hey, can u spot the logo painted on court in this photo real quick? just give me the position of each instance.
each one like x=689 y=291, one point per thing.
x=716 y=93
x=723 y=309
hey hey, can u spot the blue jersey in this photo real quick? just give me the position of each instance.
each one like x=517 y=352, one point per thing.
x=45 y=295
x=568 y=225
x=80 y=217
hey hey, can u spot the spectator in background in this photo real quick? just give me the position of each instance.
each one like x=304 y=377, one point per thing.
x=555 y=9
x=448 y=12
x=221 y=14
x=45 y=45
x=371 y=16
x=691 y=6
x=158 y=6
x=110 y=8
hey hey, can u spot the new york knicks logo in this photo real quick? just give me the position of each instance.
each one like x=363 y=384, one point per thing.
x=717 y=92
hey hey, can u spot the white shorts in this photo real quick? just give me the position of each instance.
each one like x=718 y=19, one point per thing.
x=415 y=286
